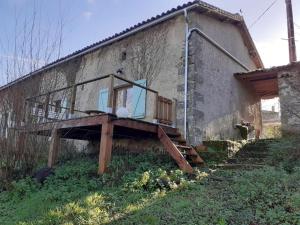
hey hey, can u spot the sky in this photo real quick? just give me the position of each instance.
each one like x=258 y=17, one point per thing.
x=88 y=21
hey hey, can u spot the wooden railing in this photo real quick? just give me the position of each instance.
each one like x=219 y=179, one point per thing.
x=164 y=110
x=162 y=107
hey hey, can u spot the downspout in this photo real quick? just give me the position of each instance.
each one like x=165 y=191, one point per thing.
x=188 y=33
x=186 y=70
x=214 y=43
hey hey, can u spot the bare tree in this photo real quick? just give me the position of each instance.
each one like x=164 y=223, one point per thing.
x=145 y=54
x=31 y=47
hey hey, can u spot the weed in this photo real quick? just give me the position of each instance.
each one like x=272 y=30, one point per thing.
x=143 y=189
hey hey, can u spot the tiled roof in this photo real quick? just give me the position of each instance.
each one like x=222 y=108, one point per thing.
x=213 y=11
x=274 y=69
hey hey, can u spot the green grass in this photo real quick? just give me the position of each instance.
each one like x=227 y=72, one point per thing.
x=145 y=190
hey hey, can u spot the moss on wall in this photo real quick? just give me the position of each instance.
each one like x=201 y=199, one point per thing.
x=220 y=150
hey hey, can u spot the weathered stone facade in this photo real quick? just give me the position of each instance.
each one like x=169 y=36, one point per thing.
x=289 y=95
x=216 y=100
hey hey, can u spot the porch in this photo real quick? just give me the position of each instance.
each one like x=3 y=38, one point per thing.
x=153 y=117
x=283 y=82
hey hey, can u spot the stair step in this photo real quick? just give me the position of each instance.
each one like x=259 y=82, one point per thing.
x=173 y=150
x=201 y=148
x=183 y=147
x=189 y=154
x=195 y=164
x=174 y=135
x=178 y=140
x=176 y=146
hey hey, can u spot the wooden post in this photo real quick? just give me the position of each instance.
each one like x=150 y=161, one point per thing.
x=111 y=94
x=21 y=142
x=54 y=146
x=291 y=32
x=73 y=98
x=156 y=107
x=25 y=112
x=174 y=122
x=105 y=145
x=46 y=106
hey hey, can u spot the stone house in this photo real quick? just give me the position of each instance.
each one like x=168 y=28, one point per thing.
x=188 y=54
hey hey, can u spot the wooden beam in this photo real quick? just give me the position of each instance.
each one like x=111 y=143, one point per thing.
x=21 y=142
x=54 y=147
x=105 y=145
x=135 y=84
x=71 y=123
x=46 y=105
x=111 y=93
x=173 y=151
x=68 y=87
x=25 y=113
x=137 y=125
x=156 y=107
x=73 y=98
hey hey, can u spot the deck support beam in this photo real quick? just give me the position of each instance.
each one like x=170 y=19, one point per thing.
x=105 y=145
x=54 y=147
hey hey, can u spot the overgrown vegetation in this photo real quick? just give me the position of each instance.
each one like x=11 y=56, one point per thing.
x=143 y=189
x=272 y=131
x=285 y=153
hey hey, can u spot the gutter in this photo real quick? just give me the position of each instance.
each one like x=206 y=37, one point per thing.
x=188 y=33
x=214 y=43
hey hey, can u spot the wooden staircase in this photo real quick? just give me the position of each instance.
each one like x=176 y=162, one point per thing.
x=184 y=155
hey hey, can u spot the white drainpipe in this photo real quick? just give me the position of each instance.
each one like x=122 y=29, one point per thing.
x=188 y=33
x=186 y=71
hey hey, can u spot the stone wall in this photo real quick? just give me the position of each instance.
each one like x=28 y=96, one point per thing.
x=289 y=95
x=216 y=100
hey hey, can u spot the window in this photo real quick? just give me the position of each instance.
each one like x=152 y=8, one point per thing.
x=123 y=55
x=57 y=106
x=133 y=98
x=40 y=108
x=123 y=96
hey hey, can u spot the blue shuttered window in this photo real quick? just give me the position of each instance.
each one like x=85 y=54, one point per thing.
x=103 y=100
x=64 y=112
x=139 y=100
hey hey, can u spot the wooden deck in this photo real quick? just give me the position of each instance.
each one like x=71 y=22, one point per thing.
x=104 y=128
x=89 y=128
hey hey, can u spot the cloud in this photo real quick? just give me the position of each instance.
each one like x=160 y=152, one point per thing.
x=87 y=15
